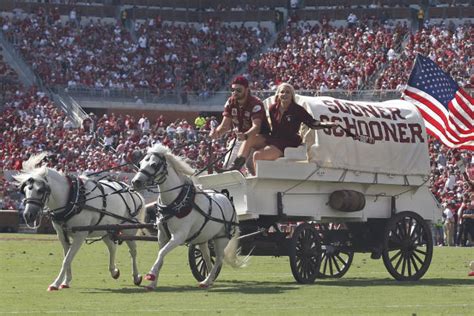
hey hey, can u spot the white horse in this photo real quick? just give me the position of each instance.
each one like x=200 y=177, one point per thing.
x=187 y=214
x=79 y=201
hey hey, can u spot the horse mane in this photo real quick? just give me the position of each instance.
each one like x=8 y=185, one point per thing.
x=178 y=163
x=31 y=169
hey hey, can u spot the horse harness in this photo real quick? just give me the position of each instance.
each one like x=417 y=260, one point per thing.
x=183 y=205
x=78 y=197
x=75 y=202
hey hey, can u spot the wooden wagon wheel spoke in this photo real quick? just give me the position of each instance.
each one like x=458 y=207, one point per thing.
x=324 y=256
x=410 y=225
x=418 y=241
x=202 y=267
x=420 y=251
x=341 y=260
x=307 y=269
x=414 y=255
x=326 y=259
x=299 y=264
x=408 y=263
x=336 y=264
x=395 y=236
x=417 y=233
x=331 y=271
x=333 y=268
x=404 y=261
x=304 y=268
x=400 y=230
x=414 y=264
x=396 y=255
x=400 y=259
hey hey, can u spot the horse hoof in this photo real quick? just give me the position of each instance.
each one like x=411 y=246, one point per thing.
x=64 y=286
x=150 y=277
x=149 y=288
x=203 y=286
x=116 y=274
x=138 y=280
x=52 y=288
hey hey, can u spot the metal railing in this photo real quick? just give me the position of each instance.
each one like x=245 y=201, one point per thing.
x=27 y=76
x=129 y=95
x=144 y=96
x=72 y=108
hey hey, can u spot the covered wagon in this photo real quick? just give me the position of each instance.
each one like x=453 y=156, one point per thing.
x=335 y=195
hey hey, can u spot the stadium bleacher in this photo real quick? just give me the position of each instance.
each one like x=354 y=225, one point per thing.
x=198 y=59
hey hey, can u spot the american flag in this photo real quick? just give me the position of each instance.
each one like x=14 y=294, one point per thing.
x=446 y=108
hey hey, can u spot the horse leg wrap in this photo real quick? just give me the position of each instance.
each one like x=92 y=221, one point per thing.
x=150 y=277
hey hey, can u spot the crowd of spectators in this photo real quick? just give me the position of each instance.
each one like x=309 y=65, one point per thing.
x=448 y=45
x=160 y=57
x=451 y=182
x=31 y=123
x=156 y=56
x=8 y=77
x=6 y=71
x=322 y=56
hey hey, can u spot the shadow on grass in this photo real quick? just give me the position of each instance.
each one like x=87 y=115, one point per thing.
x=258 y=287
x=142 y=289
x=438 y=282
x=242 y=287
x=254 y=287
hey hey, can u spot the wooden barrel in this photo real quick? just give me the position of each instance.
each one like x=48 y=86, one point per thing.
x=347 y=200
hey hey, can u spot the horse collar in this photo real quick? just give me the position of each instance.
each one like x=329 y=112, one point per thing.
x=182 y=205
x=75 y=203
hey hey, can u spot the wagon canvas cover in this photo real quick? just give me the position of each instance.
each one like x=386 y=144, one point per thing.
x=400 y=148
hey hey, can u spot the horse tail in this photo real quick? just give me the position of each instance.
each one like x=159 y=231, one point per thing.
x=232 y=252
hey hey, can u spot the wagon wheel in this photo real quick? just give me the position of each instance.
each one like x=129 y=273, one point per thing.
x=305 y=253
x=408 y=246
x=335 y=262
x=197 y=263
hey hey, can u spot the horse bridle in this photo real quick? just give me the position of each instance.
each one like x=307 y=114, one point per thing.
x=45 y=191
x=160 y=170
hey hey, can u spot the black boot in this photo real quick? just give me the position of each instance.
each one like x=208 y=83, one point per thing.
x=239 y=162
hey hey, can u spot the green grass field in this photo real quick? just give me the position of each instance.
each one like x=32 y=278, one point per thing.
x=29 y=263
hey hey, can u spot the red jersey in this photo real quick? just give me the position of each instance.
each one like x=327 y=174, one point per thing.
x=242 y=116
